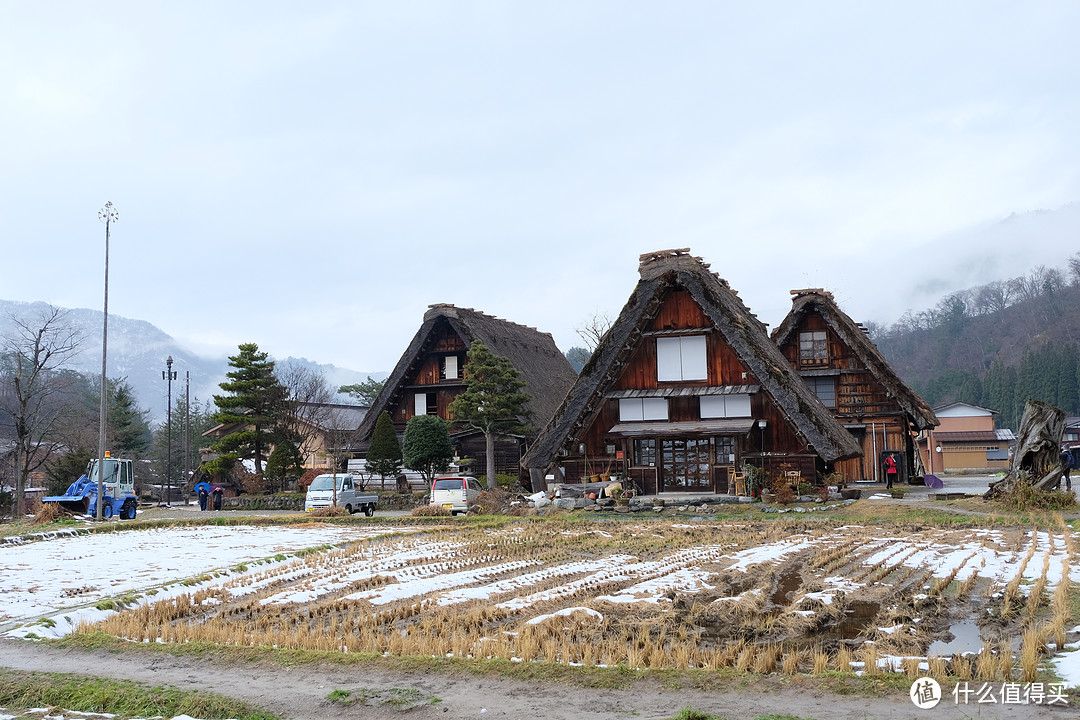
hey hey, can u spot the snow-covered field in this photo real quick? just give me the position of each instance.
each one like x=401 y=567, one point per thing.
x=69 y=572
x=527 y=576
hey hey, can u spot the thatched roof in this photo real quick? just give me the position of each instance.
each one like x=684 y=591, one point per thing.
x=816 y=300
x=545 y=370
x=742 y=331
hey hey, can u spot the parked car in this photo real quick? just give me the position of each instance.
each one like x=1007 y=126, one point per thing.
x=320 y=494
x=456 y=493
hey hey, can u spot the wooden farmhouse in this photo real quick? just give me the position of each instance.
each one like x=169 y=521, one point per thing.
x=429 y=376
x=683 y=389
x=840 y=364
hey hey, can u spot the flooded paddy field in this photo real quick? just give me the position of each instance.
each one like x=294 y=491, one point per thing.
x=974 y=603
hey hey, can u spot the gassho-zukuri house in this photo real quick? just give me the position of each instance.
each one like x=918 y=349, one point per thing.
x=428 y=377
x=684 y=388
x=836 y=358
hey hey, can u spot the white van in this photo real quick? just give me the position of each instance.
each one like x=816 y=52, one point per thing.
x=320 y=494
x=456 y=494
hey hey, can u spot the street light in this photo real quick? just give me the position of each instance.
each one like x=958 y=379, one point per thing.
x=170 y=375
x=108 y=215
x=762 y=424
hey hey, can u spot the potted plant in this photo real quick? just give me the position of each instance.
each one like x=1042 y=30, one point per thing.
x=898 y=492
x=622 y=496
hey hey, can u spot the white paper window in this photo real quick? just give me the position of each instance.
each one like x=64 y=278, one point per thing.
x=713 y=406
x=654 y=408
x=725 y=406
x=681 y=358
x=631 y=409
x=451 y=367
x=420 y=404
x=737 y=405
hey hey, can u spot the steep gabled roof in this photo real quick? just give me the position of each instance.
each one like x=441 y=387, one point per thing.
x=816 y=300
x=741 y=330
x=545 y=370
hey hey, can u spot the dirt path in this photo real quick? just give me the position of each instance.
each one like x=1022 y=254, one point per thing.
x=299 y=692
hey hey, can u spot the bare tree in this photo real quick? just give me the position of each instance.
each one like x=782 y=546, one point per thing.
x=309 y=399
x=1074 y=269
x=35 y=352
x=594 y=328
x=994 y=296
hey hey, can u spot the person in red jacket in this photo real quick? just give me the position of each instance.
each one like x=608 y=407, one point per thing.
x=890 y=471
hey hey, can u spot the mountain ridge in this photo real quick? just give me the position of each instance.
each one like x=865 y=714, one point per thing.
x=138 y=350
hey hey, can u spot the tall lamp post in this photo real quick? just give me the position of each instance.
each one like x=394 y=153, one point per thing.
x=170 y=375
x=762 y=424
x=107 y=215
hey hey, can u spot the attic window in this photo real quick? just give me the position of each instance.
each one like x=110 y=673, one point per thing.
x=824 y=388
x=814 y=348
x=450 y=367
x=681 y=358
x=425 y=404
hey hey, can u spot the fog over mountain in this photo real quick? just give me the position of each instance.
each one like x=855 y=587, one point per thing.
x=138 y=351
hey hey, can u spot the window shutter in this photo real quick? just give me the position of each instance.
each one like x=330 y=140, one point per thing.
x=694 y=365
x=668 y=359
x=630 y=409
x=654 y=409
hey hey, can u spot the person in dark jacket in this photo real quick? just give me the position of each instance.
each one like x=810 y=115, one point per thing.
x=1066 y=466
x=218 y=494
x=203 y=497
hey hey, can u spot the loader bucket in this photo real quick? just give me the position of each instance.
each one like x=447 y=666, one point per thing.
x=77 y=505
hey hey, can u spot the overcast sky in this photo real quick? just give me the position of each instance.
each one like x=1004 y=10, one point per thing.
x=311 y=176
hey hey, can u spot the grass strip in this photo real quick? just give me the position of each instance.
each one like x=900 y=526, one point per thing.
x=20 y=690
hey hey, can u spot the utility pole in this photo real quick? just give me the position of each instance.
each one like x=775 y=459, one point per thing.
x=107 y=215
x=169 y=375
x=187 y=429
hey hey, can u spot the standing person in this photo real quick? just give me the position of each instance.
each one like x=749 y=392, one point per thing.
x=218 y=493
x=890 y=471
x=1066 y=466
x=203 y=496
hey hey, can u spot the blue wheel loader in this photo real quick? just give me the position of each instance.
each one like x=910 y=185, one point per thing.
x=118 y=491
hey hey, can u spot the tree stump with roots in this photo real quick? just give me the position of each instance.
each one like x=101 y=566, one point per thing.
x=1038 y=451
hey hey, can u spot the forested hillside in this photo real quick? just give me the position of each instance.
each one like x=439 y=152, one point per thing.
x=995 y=345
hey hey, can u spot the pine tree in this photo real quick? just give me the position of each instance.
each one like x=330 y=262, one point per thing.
x=284 y=462
x=130 y=432
x=427 y=448
x=365 y=392
x=254 y=403
x=60 y=473
x=1068 y=390
x=384 y=456
x=492 y=402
